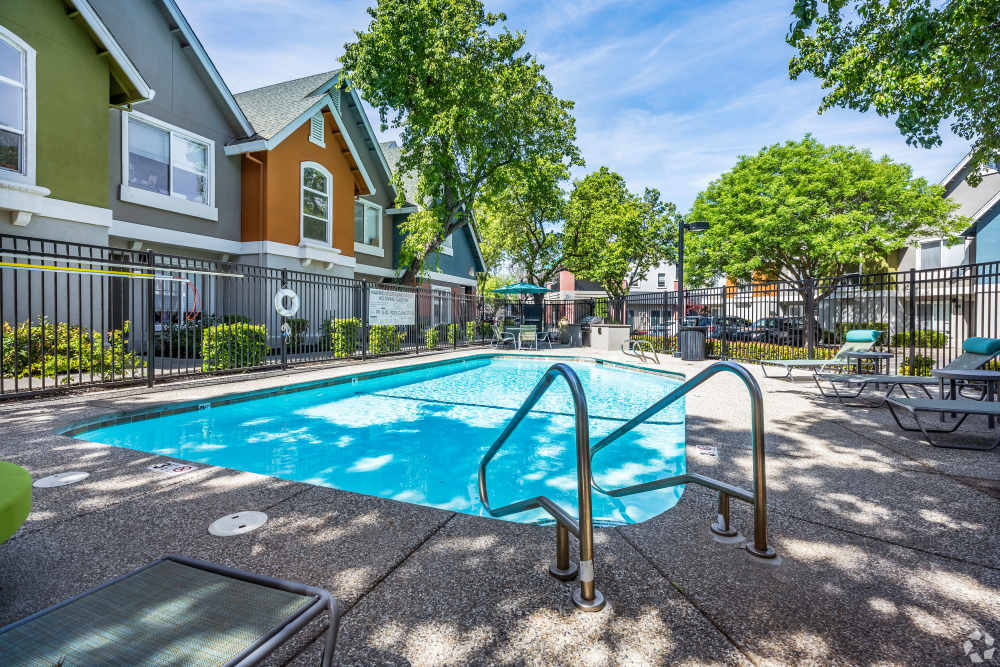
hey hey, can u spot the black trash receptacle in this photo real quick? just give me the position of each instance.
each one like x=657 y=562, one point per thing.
x=691 y=343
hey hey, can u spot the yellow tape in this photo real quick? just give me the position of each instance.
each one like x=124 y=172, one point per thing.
x=40 y=267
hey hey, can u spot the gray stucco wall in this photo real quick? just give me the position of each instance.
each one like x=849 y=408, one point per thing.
x=183 y=98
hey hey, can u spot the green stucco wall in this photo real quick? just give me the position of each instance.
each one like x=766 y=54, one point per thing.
x=71 y=100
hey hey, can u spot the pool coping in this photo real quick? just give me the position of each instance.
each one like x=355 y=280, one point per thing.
x=175 y=408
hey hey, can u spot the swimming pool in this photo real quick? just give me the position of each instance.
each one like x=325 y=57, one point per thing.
x=417 y=435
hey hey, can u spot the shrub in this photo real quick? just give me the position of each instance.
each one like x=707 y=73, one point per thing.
x=298 y=326
x=384 y=339
x=601 y=309
x=754 y=351
x=47 y=349
x=182 y=340
x=343 y=336
x=660 y=343
x=922 y=366
x=470 y=331
x=431 y=336
x=921 y=338
x=238 y=345
x=453 y=334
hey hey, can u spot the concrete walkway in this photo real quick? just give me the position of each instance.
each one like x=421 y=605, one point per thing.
x=888 y=547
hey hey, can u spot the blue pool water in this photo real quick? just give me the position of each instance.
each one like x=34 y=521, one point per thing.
x=418 y=436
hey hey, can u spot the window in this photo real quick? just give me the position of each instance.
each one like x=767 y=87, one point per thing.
x=316 y=184
x=440 y=305
x=367 y=225
x=175 y=167
x=316 y=129
x=447 y=246
x=930 y=255
x=661 y=280
x=17 y=79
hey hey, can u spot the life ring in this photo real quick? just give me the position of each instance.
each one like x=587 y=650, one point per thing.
x=279 y=302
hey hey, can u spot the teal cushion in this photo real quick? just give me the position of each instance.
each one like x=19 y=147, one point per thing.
x=862 y=335
x=986 y=346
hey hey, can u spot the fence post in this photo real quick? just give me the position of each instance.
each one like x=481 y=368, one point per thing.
x=364 y=319
x=724 y=352
x=810 y=330
x=150 y=325
x=281 y=328
x=912 y=321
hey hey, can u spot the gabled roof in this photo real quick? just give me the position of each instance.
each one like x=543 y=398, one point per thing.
x=188 y=39
x=123 y=71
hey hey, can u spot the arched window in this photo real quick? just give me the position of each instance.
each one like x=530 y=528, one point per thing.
x=317 y=186
x=17 y=108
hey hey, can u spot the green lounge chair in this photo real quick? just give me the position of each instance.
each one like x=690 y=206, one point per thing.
x=174 y=611
x=856 y=340
x=964 y=407
x=976 y=353
x=15 y=498
x=528 y=336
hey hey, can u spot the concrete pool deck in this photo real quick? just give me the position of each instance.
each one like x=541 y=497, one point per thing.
x=889 y=547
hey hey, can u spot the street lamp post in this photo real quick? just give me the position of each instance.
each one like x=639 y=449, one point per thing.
x=698 y=226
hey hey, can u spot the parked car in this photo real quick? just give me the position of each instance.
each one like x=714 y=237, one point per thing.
x=717 y=326
x=778 y=330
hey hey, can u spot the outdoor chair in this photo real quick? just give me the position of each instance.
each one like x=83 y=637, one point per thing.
x=529 y=336
x=964 y=407
x=176 y=610
x=501 y=338
x=976 y=353
x=15 y=498
x=856 y=340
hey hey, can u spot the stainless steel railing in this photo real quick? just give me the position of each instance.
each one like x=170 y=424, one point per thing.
x=637 y=349
x=757 y=497
x=586 y=597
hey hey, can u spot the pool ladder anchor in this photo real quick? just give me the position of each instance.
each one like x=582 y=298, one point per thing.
x=587 y=597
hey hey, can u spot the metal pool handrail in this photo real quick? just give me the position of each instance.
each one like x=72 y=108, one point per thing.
x=636 y=346
x=587 y=597
x=757 y=498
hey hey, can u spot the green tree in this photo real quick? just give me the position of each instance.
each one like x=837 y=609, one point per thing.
x=921 y=61
x=803 y=210
x=615 y=237
x=520 y=220
x=469 y=101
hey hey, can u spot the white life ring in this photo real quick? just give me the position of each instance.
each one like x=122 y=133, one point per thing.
x=279 y=302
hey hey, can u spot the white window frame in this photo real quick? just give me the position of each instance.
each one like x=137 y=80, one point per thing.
x=314 y=120
x=365 y=248
x=329 y=206
x=27 y=173
x=920 y=252
x=448 y=245
x=445 y=297
x=134 y=195
x=661 y=280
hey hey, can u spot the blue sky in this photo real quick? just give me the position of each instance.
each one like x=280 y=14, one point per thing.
x=668 y=94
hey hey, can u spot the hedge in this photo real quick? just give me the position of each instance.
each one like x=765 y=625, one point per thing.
x=384 y=339
x=470 y=331
x=343 y=336
x=431 y=336
x=183 y=339
x=238 y=345
x=47 y=349
x=921 y=338
x=298 y=326
x=753 y=351
x=922 y=366
x=453 y=333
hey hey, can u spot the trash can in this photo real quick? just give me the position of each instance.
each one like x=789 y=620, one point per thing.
x=691 y=343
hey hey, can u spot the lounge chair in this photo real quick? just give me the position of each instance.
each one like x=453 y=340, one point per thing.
x=501 y=338
x=856 y=340
x=964 y=407
x=15 y=498
x=529 y=336
x=175 y=610
x=976 y=353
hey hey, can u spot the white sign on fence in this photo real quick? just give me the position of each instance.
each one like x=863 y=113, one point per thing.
x=390 y=307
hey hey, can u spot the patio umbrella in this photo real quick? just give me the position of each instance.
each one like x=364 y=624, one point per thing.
x=522 y=288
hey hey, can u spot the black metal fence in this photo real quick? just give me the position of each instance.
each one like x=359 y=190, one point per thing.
x=75 y=314
x=924 y=315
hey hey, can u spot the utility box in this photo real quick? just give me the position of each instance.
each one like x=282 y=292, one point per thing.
x=609 y=337
x=691 y=343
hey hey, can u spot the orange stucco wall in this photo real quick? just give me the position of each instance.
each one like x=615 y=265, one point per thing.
x=281 y=207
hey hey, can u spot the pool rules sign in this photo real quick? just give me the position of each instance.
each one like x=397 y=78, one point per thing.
x=391 y=307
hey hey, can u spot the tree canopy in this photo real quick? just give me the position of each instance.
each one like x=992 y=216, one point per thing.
x=468 y=99
x=804 y=210
x=919 y=61
x=520 y=220
x=615 y=237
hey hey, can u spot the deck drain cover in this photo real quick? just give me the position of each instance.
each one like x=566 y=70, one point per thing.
x=61 y=479
x=237 y=523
